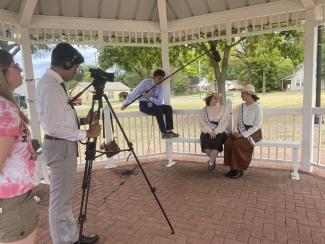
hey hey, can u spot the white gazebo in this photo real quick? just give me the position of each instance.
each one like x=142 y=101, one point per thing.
x=162 y=23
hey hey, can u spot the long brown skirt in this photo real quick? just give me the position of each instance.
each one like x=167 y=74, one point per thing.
x=238 y=153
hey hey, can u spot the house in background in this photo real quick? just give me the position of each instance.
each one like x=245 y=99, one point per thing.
x=112 y=90
x=295 y=81
x=204 y=85
x=232 y=85
x=209 y=85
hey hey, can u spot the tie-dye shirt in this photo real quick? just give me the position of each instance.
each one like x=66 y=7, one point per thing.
x=18 y=174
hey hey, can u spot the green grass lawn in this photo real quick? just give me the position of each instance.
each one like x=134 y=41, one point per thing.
x=268 y=100
x=195 y=101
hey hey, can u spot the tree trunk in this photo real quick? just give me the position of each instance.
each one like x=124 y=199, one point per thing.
x=249 y=72
x=263 y=88
x=220 y=67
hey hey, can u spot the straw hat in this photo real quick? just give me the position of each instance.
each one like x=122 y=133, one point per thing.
x=250 y=89
x=210 y=94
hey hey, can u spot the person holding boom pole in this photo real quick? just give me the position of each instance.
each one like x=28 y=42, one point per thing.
x=151 y=103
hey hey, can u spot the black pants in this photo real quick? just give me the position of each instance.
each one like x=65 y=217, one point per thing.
x=159 y=111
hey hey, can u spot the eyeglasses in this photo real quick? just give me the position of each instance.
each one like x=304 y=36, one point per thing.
x=14 y=65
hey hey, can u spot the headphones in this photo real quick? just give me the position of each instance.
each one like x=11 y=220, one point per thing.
x=68 y=62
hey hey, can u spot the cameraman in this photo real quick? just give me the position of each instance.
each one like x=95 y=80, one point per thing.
x=60 y=123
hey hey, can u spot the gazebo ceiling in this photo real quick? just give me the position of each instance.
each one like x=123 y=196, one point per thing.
x=142 y=22
x=143 y=10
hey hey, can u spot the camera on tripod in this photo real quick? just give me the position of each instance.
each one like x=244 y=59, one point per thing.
x=100 y=77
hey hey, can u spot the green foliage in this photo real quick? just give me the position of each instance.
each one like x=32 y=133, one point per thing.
x=37 y=50
x=122 y=96
x=275 y=55
x=131 y=79
x=83 y=73
x=180 y=83
x=139 y=60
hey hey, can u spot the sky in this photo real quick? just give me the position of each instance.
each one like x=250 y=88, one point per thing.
x=41 y=64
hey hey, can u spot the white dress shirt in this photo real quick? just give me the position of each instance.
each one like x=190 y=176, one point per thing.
x=57 y=117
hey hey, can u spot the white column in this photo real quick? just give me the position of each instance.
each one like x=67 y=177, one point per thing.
x=309 y=91
x=165 y=65
x=30 y=82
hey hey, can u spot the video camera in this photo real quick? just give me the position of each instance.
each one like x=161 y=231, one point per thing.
x=100 y=77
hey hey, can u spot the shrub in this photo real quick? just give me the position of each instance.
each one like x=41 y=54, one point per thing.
x=122 y=96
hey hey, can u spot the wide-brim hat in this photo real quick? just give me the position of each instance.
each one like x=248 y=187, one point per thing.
x=250 y=89
x=210 y=94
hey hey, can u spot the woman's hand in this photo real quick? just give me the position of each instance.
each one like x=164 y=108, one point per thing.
x=212 y=134
x=238 y=135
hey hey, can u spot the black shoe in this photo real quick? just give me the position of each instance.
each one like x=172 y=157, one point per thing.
x=166 y=135
x=88 y=239
x=229 y=173
x=173 y=134
x=236 y=174
x=211 y=167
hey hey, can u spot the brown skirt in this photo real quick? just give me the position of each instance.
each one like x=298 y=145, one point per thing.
x=238 y=153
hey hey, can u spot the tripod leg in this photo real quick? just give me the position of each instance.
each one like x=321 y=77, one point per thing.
x=130 y=145
x=90 y=157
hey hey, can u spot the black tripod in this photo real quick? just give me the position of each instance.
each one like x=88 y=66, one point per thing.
x=91 y=155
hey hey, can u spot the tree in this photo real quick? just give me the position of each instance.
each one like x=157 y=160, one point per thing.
x=180 y=82
x=267 y=58
x=219 y=62
x=14 y=48
x=139 y=63
x=139 y=60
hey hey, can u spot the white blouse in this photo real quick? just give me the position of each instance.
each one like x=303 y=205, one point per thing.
x=218 y=113
x=252 y=115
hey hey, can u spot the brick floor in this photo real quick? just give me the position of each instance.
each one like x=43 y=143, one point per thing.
x=264 y=206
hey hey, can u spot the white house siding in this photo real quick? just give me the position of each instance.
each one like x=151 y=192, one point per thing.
x=297 y=80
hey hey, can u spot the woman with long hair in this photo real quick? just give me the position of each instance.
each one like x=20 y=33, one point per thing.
x=18 y=209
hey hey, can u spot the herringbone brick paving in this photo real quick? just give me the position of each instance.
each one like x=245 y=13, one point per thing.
x=263 y=207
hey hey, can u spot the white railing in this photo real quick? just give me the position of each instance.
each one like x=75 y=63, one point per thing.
x=278 y=125
x=143 y=132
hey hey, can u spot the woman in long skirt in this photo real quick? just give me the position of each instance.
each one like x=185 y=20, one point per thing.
x=246 y=132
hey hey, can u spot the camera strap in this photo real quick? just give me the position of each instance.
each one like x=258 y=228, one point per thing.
x=71 y=104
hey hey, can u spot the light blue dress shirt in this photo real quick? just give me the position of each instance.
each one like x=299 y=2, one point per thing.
x=156 y=94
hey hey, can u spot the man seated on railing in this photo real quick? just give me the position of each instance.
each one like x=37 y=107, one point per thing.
x=214 y=120
x=151 y=103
